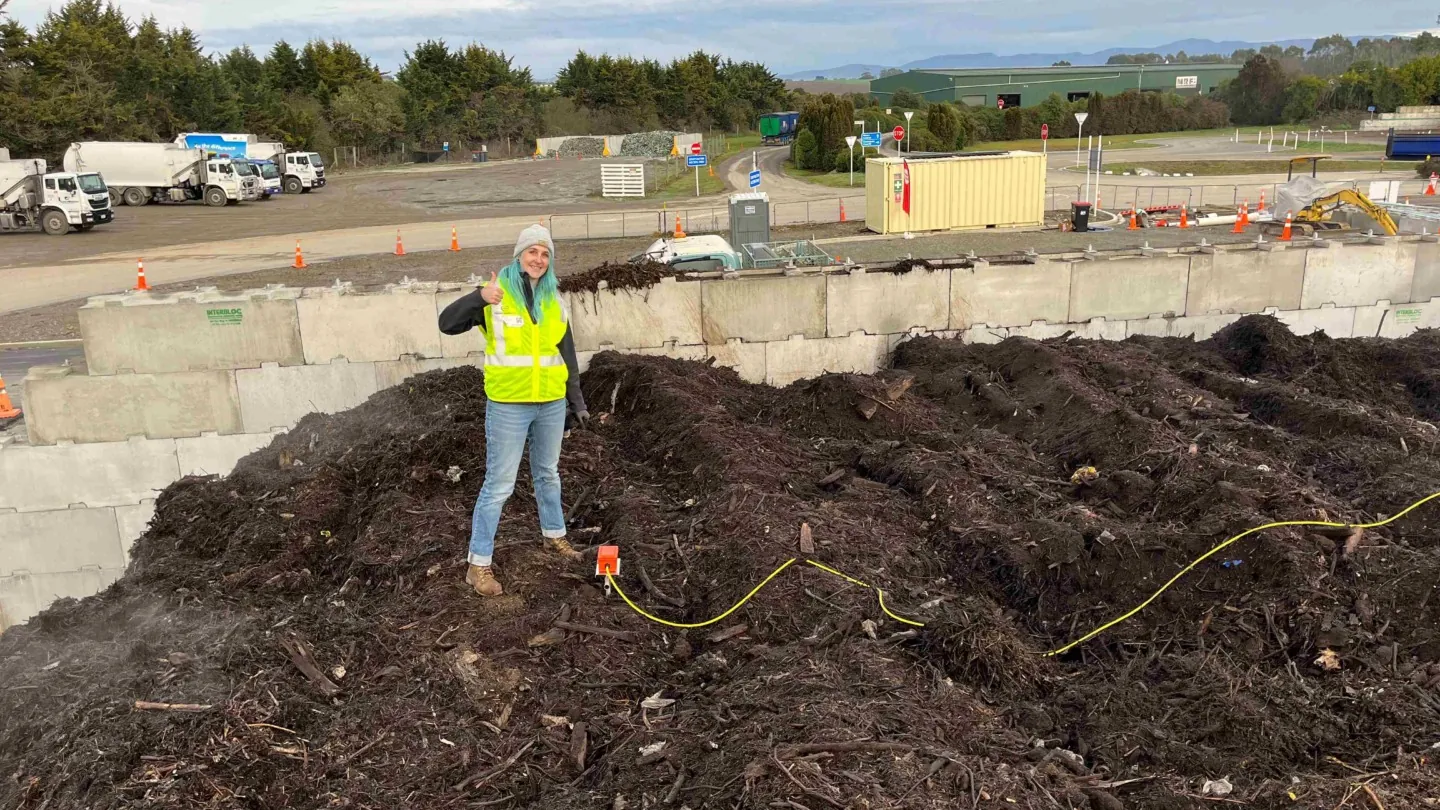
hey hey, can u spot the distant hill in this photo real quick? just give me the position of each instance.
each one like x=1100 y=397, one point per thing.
x=992 y=60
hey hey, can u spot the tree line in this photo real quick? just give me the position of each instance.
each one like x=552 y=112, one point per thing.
x=86 y=72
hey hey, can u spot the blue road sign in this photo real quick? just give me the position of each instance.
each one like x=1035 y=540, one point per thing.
x=870 y=139
x=1372 y=109
x=697 y=160
x=755 y=179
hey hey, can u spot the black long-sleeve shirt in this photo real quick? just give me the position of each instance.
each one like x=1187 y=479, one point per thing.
x=468 y=312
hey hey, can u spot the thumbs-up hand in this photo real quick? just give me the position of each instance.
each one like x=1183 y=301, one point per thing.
x=492 y=292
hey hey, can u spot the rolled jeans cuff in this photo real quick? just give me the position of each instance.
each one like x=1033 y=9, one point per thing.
x=552 y=534
x=482 y=560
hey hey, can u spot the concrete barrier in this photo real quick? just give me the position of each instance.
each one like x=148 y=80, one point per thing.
x=131 y=522
x=216 y=455
x=1361 y=275
x=1427 y=271
x=24 y=595
x=798 y=358
x=1094 y=329
x=1337 y=322
x=109 y=474
x=669 y=312
x=457 y=346
x=1009 y=295
x=758 y=308
x=1199 y=327
x=279 y=396
x=883 y=303
x=63 y=406
x=393 y=372
x=360 y=328
x=147 y=333
x=1128 y=287
x=59 y=540
x=1396 y=320
x=1245 y=280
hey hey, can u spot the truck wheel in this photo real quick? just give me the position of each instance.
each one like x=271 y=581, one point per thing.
x=54 y=223
x=215 y=196
x=116 y=200
x=85 y=227
x=136 y=196
x=307 y=190
x=293 y=185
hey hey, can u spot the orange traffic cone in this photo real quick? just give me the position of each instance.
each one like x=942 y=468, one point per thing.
x=842 y=210
x=1285 y=234
x=299 y=257
x=1261 y=209
x=1184 y=217
x=7 y=409
x=679 y=234
x=1134 y=220
x=454 y=240
x=1430 y=186
x=140 y=282
x=1245 y=211
x=399 y=245
x=1239 y=221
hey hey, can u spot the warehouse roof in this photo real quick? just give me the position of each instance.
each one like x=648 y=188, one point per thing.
x=1022 y=71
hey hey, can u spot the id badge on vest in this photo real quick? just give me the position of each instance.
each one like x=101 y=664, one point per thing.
x=515 y=321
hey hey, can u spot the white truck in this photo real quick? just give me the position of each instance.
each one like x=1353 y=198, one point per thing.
x=299 y=171
x=141 y=173
x=33 y=199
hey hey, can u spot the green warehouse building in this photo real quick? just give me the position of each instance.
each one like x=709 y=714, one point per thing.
x=1026 y=87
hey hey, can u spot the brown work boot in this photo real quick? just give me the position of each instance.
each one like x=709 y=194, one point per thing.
x=562 y=547
x=482 y=579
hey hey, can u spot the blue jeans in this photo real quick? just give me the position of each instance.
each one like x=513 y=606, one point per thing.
x=507 y=427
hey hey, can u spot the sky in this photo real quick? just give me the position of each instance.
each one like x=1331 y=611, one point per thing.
x=786 y=35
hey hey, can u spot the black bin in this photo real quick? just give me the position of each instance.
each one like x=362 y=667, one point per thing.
x=1080 y=216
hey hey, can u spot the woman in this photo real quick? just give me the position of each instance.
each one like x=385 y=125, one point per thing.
x=530 y=374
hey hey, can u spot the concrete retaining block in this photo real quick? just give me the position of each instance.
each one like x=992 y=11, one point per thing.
x=108 y=474
x=1128 y=287
x=1427 y=272
x=59 y=540
x=799 y=358
x=1096 y=329
x=24 y=595
x=393 y=372
x=880 y=303
x=62 y=406
x=146 y=333
x=369 y=327
x=759 y=309
x=1359 y=275
x=131 y=522
x=217 y=455
x=279 y=396
x=1397 y=320
x=470 y=343
x=1009 y=295
x=1200 y=327
x=1337 y=322
x=669 y=312
x=1247 y=280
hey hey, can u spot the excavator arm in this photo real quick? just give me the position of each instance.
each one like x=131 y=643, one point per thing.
x=1319 y=210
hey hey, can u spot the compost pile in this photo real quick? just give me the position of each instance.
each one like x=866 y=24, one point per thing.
x=582 y=146
x=657 y=144
x=636 y=275
x=305 y=627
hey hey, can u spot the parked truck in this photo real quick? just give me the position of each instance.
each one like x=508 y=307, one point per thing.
x=778 y=127
x=33 y=199
x=1411 y=145
x=141 y=173
x=299 y=172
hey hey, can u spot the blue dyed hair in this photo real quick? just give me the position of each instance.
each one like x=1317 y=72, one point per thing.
x=547 y=290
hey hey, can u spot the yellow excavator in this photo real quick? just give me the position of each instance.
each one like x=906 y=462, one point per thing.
x=1316 y=216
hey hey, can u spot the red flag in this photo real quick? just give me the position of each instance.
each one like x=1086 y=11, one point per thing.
x=906 y=204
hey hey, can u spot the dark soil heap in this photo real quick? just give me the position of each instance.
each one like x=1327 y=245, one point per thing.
x=306 y=619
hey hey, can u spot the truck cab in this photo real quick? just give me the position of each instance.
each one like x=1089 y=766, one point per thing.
x=54 y=202
x=224 y=184
x=692 y=254
x=270 y=181
x=250 y=187
x=303 y=171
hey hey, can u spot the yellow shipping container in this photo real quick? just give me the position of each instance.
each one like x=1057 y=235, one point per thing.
x=957 y=192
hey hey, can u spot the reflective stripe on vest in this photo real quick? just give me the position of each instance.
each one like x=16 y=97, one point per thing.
x=522 y=358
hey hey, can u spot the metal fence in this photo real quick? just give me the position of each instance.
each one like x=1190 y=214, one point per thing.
x=706 y=219
x=1118 y=197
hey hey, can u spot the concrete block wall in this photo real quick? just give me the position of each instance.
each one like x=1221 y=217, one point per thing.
x=89 y=495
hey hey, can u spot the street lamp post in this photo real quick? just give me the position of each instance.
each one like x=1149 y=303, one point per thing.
x=861 y=124
x=850 y=142
x=908 y=136
x=1080 y=119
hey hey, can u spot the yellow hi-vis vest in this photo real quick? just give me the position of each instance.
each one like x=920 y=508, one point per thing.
x=522 y=358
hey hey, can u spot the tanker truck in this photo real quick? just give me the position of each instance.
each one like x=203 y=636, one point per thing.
x=141 y=173
x=32 y=199
x=300 y=172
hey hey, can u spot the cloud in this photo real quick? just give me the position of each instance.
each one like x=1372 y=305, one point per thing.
x=791 y=36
